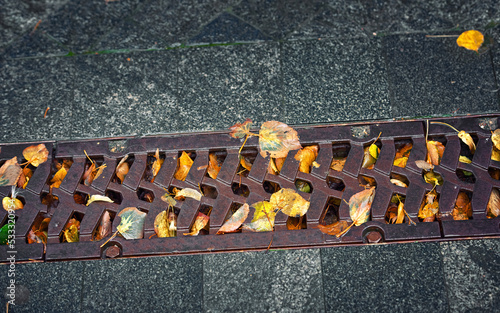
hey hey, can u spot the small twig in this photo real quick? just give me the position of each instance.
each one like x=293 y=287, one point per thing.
x=46 y=110
x=114 y=235
x=35 y=28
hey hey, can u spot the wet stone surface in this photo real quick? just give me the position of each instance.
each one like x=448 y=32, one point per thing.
x=286 y=280
x=472 y=274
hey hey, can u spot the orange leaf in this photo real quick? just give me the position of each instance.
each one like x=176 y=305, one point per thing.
x=338 y=164
x=240 y=130
x=156 y=164
x=213 y=166
x=235 y=221
x=58 y=177
x=435 y=151
x=200 y=222
x=463 y=208
x=184 y=164
x=275 y=165
x=429 y=207
x=306 y=156
x=36 y=155
x=471 y=40
x=333 y=229
x=104 y=228
x=245 y=164
x=276 y=139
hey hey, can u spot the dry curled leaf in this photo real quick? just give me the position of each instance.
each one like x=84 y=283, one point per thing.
x=72 y=231
x=240 y=130
x=122 y=169
x=92 y=172
x=168 y=199
x=433 y=178
x=467 y=139
x=370 y=156
x=495 y=138
x=424 y=165
x=24 y=178
x=289 y=202
x=276 y=139
x=235 y=221
x=199 y=223
x=132 y=223
x=463 y=208
x=94 y=198
x=275 y=165
x=58 y=177
x=156 y=164
x=38 y=233
x=464 y=159
x=435 y=151
x=104 y=228
x=245 y=163
x=493 y=204
x=399 y=183
x=333 y=229
x=338 y=164
x=213 y=166
x=166 y=224
x=36 y=154
x=402 y=155
x=429 y=207
x=10 y=172
x=306 y=156
x=184 y=164
x=471 y=40
x=188 y=193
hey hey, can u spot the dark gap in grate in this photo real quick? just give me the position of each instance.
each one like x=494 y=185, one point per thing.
x=335 y=183
x=240 y=190
x=145 y=195
x=330 y=213
x=270 y=187
x=466 y=176
x=115 y=196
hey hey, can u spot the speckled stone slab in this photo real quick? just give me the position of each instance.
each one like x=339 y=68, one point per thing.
x=44 y=287
x=274 y=281
x=383 y=278
x=332 y=80
x=157 y=284
x=219 y=86
x=434 y=76
x=472 y=274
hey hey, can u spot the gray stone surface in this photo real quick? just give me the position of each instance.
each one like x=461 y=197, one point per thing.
x=331 y=80
x=433 y=76
x=274 y=281
x=219 y=86
x=28 y=87
x=158 y=284
x=125 y=94
x=381 y=278
x=51 y=287
x=472 y=274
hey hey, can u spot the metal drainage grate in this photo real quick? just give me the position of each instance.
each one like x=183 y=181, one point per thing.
x=328 y=188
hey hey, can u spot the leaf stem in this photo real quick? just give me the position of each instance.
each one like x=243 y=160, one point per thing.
x=377 y=138
x=446 y=124
x=88 y=157
x=345 y=230
x=244 y=142
x=114 y=235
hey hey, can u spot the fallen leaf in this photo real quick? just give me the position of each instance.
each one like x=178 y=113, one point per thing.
x=122 y=169
x=104 y=228
x=276 y=139
x=338 y=164
x=471 y=40
x=368 y=159
x=424 y=165
x=36 y=154
x=289 y=202
x=463 y=208
x=58 y=177
x=404 y=151
x=24 y=178
x=495 y=138
x=12 y=203
x=464 y=159
x=495 y=154
x=38 y=233
x=263 y=217
x=359 y=208
x=401 y=213
x=161 y=225
x=92 y=171
x=263 y=209
x=213 y=166
x=235 y=221
x=467 y=139
x=435 y=151
x=333 y=229
x=399 y=183
x=306 y=156
x=132 y=223
x=245 y=163
x=240 y=130
x=72 y=231
x=294 y=223
x=4 y=234
x=199 y=223
x=429 y=207
x=400 y=162
x=10 y=172
x=303 y=186
x=168 y=199
x=94 y=198
x=433 y=178
x=188 y=193
x=493 y=204
x=275 y=165
x=156 y=164
x=184 y=164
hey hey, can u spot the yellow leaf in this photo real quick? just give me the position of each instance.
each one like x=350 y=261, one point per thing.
x=213 y=166
x=263 y=209
x=289 y=202
x=245 y=164
x=188 y=193
x=235 y=221
x=161 y=225
x=495 y=138
x=156 y=164
x=401 y=213
x=360 y=205
x=338 y=164
x=58 y=177
x=429 y=207
x=464 y=159
x=433 y=178
x=184 y=164
x=72 y=231
x=240 y=130
x=467 y=139
x=261 y=224
x=36 y=155
x=306 y=156
x=471 y=40
x=374 y=151
x=12 y=204
x=275 y=165
x=95 y=198
x=495 y=154
x=368 y=160
x=276 y=139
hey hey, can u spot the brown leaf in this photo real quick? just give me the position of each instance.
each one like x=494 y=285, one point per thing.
x=306 y=156
x=463 y=208
x=494 y=204
x=213 y=166
x=10 y=172
x=333 y=229
x=424 y=165
x=245 y=163
x=38 y=233
x=401 y=157
x=36 y=154
x=240 y=130
x=72 y=231
x=24 y=178
x=276 y=139
x=184 y=164
x=104 y=228
x=338 y=164
x=435 y=151
x=122 y=169
x=188 y=193
x=235 y=221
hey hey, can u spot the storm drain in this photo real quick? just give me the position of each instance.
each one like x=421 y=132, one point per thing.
x=327 y=189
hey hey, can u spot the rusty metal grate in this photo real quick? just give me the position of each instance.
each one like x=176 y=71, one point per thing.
x=327 y=189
